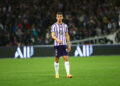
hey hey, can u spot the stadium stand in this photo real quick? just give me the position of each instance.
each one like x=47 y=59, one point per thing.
x=26 y=22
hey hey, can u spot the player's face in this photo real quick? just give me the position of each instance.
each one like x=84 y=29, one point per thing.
x=59 y=17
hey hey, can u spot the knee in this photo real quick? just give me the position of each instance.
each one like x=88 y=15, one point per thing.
x=56 y=60
x=65 y=59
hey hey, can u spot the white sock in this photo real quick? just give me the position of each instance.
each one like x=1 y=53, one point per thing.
x=67 y=67
x=56 y=65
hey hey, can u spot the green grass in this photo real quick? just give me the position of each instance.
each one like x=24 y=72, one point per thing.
x=88 y=71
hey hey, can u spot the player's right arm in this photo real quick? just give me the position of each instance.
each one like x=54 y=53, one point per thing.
x=54 y=37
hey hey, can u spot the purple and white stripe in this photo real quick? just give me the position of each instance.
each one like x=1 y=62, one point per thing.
x=60 y=31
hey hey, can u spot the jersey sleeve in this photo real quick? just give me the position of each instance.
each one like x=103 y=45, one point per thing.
x=52 y=28
x=66 y=28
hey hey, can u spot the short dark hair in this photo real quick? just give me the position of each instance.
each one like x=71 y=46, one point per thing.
x=59 y=13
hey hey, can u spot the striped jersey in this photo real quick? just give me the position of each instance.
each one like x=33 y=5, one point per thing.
x=60 y=30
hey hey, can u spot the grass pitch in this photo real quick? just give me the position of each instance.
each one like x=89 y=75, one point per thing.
x=87 y=71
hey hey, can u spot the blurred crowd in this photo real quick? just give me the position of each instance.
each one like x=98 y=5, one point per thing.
x=26 y=22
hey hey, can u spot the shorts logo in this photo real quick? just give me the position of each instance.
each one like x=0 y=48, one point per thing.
x=66 y=50
x=56 y=52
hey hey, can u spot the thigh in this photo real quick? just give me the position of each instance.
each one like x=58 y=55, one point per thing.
x=64 y=50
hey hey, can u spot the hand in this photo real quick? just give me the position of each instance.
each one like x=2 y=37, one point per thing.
x=69 y=49
x=59 y=41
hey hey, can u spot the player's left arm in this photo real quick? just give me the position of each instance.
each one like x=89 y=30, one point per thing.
x=68 y=41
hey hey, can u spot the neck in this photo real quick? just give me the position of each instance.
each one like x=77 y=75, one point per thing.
x=59 y=22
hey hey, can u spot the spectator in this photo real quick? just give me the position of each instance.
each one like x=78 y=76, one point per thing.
x=30 y=19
